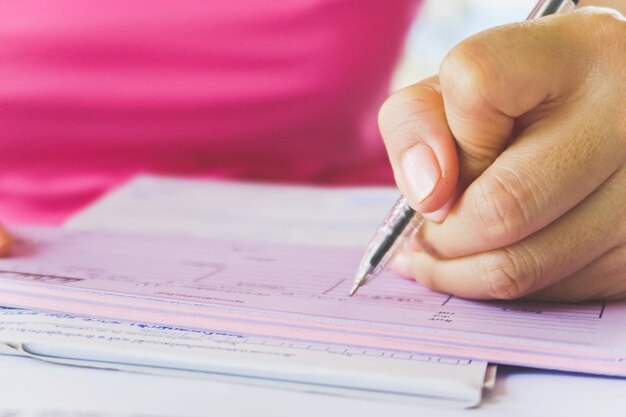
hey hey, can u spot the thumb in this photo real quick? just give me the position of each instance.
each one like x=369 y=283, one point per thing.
x=420 y=145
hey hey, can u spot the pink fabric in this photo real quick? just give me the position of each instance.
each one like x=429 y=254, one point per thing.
x=94 y=92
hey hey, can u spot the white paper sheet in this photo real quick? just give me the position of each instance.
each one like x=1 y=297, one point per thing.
x=43 y=390
x=345 y=216
x=37 y=389
x=170 y=350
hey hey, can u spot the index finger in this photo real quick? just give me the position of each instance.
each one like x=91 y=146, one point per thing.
x=420 y=145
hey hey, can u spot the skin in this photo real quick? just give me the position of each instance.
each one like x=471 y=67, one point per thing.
x=527 y=125
x=5 y=242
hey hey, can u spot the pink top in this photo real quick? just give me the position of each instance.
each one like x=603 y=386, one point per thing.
x=94 y=92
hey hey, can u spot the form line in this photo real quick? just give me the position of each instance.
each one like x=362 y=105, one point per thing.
x=334 y=286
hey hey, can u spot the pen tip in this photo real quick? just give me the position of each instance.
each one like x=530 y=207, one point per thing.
x=353 y=290
x=361 y=277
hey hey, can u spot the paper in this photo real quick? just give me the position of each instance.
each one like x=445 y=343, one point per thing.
x=38 y=389
x=345 y=216
x=298 y=293
x=171 y=350
x=281 y=213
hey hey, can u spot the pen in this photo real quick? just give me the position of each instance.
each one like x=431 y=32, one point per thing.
x=402 y=223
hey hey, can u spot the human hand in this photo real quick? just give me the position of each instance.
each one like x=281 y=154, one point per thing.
x=518 y=152
x=5 y=241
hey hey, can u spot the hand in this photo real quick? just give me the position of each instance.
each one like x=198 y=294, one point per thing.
x=5 y=242
x=517 y=152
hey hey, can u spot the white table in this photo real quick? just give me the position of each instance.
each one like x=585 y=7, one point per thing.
x=28 y=384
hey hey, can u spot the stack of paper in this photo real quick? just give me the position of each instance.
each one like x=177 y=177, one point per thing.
x=172 y=350
x=297 y=293
x=161 y=205
x=342 y=216
x=244 y=309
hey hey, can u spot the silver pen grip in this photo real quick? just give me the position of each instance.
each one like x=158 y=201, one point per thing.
x=548 y=7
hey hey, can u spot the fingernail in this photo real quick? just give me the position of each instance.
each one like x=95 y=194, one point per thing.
x=421 y=172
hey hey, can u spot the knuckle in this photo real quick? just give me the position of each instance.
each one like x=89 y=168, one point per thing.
x=399 y=115
x=603 y=21
x=385 y=113
x=387 y=108
x=604 y=26
x=509 y=275
x=469 y=71
x=502 y=205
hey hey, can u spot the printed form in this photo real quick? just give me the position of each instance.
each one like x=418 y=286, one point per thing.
x=190 y=206
x=297 y=292
x=164 y=205
x=344 y=216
